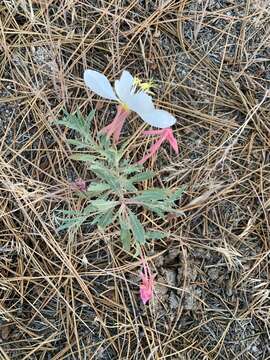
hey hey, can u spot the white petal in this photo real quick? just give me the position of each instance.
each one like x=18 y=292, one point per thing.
x=123 y=86
x=99 y=84
x=158 y=118
x=141 y=103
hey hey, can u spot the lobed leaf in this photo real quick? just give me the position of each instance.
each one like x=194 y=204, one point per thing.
x=152 y=195
x=106 y=175
x=69 y=223
x=156 y=235
x=130 y=169
x=105 y=219
x=104 y=205
x=177 y=194
x=125 y=235
x=142 y=177
x=77 y=143
x=136 y=228
x=98 y=188
x=76 y=122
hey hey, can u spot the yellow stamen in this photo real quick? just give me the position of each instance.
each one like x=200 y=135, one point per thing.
x=136 y=81
x=144 y=86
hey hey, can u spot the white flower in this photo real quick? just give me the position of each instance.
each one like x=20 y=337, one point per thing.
x=125 y=93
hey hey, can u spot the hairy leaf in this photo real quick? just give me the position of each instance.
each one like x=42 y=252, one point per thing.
x=78 y=144
x=142 y=177
x=125 y=238
x=136 y=228
x=152 y=195
x=69 y=223
x=103 y=205
x=155 y=235
x=177 y=194
x=76 y=122
x=125 y=235
x=130 y=169
x=104 y=219
x=98 y=187
x=106 y=175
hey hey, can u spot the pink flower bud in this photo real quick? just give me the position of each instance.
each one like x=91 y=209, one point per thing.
x=79 y=184
x=147 y=285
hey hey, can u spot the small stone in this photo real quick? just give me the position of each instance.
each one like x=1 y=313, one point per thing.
x=171 y=255
x=174 y=301
x=189 y=303
x=157 y=34
x=160 y=289
x=213 y=273
x=159 y=261
x=170 y=277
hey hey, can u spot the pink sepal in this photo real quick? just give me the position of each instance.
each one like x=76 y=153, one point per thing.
x=165 y=134
x=115 y=127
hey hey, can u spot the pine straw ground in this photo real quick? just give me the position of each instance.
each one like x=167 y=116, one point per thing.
x=75 y=295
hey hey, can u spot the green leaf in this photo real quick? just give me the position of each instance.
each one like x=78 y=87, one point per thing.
x=160 y=208
x=111 y=155
x=130 y=169
x=125 y=184
x=68 y=122
x=125 y=235
x=155 y=209
x=69 y=223
x=142 y=177
x=76 y=122
x=138 y=252
x=104 y=205
x=155 y=235
x=89 y=119
x=89 y=209
x=136 y=228
x=98 y=187
x=104 y=219
x=152 y=195
x=72 y=122
x=106 y=175
x=77 y=143
x=104 y=140
x=82 y=157
x=177 y=194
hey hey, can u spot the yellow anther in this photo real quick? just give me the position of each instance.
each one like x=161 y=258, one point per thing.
x=144 y=86
x=136 y=81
